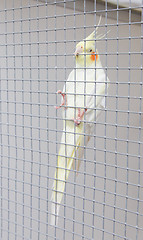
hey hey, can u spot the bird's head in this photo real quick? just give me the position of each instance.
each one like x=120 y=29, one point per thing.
x=85 y=52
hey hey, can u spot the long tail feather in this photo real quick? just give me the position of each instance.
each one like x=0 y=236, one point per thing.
x=69 y=144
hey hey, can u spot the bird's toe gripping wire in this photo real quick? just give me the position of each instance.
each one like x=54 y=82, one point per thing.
x=64 y=102
x=79 y=116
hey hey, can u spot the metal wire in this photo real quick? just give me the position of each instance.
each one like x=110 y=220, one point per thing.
x=105 y=200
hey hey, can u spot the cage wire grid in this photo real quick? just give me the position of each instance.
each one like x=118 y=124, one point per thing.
x=37 y=41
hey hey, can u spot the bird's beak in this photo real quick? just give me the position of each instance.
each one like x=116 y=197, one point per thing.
x=78 y=51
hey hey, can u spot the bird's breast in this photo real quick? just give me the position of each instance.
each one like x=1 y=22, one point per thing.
x=78 y=90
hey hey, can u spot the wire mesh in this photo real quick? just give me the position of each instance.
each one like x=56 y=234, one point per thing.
x=105 y=199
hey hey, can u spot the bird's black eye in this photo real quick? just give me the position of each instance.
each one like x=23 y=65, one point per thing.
x=90 y=50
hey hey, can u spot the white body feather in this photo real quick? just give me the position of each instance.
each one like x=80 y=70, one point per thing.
x=83 y=90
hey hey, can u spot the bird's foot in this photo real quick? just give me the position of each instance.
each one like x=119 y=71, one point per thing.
x=79 y=116
x=64 y=102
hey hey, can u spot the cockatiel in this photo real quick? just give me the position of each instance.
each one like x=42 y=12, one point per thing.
x=84 y=91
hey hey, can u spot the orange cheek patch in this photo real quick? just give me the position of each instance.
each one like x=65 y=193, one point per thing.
x=93 y=56
x=96 y=57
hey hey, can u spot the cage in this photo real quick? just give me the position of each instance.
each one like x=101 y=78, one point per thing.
x=104 y=200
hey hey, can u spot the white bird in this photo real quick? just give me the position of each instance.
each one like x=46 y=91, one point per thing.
x=83 y=96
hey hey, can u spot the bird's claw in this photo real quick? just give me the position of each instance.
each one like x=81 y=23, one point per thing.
x=77 y=121
x=64 y=102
